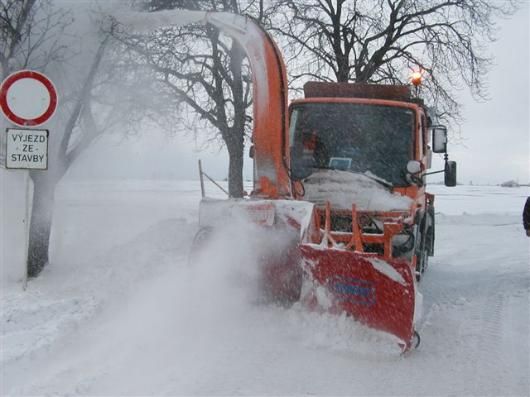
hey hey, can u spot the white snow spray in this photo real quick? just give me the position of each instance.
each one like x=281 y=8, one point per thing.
x=146 y=22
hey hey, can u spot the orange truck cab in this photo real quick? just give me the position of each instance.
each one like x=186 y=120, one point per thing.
x=360 y=153
x=382 y=135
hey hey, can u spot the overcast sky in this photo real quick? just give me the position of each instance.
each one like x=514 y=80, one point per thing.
x=497 y=133
x=495 y=145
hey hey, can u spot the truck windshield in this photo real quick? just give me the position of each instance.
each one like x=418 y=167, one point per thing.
x=352 y=137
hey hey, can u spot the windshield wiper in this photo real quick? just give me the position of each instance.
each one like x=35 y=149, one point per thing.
x=386 y=184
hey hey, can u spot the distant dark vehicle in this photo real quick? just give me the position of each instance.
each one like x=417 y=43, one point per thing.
x=510 y=184
x=526 y=216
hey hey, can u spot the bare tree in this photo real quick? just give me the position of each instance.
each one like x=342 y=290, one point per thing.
x=206 y=71
x=98 y=91
x=25 y=38
x=35 y=35
x=30 y=33
x=382 y=41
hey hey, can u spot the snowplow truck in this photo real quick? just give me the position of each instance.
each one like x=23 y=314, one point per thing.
x=360 y=154
x=340 y=185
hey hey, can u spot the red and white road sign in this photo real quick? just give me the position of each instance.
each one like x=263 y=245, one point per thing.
x=28 y=98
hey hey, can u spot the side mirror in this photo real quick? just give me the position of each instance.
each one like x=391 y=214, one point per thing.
x=439 y=139
x=450 y=173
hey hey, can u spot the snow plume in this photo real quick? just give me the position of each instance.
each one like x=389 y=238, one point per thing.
x=158 y=313
x=176 y=329
x=146 y=22
x=231 y=261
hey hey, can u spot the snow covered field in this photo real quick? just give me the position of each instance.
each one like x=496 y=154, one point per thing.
x=120 y=312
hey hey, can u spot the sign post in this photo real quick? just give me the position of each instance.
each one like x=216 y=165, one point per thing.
x=27 y=99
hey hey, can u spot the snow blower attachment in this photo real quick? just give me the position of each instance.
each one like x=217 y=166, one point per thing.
x=375 y=288
x=327 y=270
x=339 y=187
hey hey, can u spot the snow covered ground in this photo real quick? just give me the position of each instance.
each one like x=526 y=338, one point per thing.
x=119 y=311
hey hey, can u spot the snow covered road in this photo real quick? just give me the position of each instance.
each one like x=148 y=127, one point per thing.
x=138 y=320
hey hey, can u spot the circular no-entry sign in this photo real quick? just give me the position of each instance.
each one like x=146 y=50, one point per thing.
x=28 y=98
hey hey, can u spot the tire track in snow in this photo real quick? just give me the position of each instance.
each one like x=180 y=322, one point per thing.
x=482 y=302
x=497 y=351
x=488 y=346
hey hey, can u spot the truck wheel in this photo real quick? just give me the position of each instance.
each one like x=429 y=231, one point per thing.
x=431 y=232
x=202 y=237
x=422 y=254
x=422 y=262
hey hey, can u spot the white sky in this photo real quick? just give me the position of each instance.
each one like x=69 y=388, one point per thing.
x=496 y=133
x=495 y=145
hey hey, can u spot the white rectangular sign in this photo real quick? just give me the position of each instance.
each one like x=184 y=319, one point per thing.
x=27 y=149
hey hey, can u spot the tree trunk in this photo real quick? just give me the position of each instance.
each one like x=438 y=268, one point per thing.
x=343 y=72
x=41 y=220
x=235 y=140
x=235 y=170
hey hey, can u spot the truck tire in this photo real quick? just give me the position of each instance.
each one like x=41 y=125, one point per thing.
x=422 y=263
x=202 y=237
x=422 y=252
x=431 y=230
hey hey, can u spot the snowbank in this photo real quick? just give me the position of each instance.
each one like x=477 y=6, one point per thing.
x=468 y=199
x=90 y=218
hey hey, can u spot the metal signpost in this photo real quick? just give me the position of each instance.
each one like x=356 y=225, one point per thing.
x=28 y=99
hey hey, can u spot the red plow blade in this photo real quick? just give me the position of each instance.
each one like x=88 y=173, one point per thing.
x=377 y=292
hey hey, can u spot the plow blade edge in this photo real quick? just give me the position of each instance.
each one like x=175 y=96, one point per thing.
x=376 y=292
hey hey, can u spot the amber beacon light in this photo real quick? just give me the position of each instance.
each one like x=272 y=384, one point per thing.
x=416 y=78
